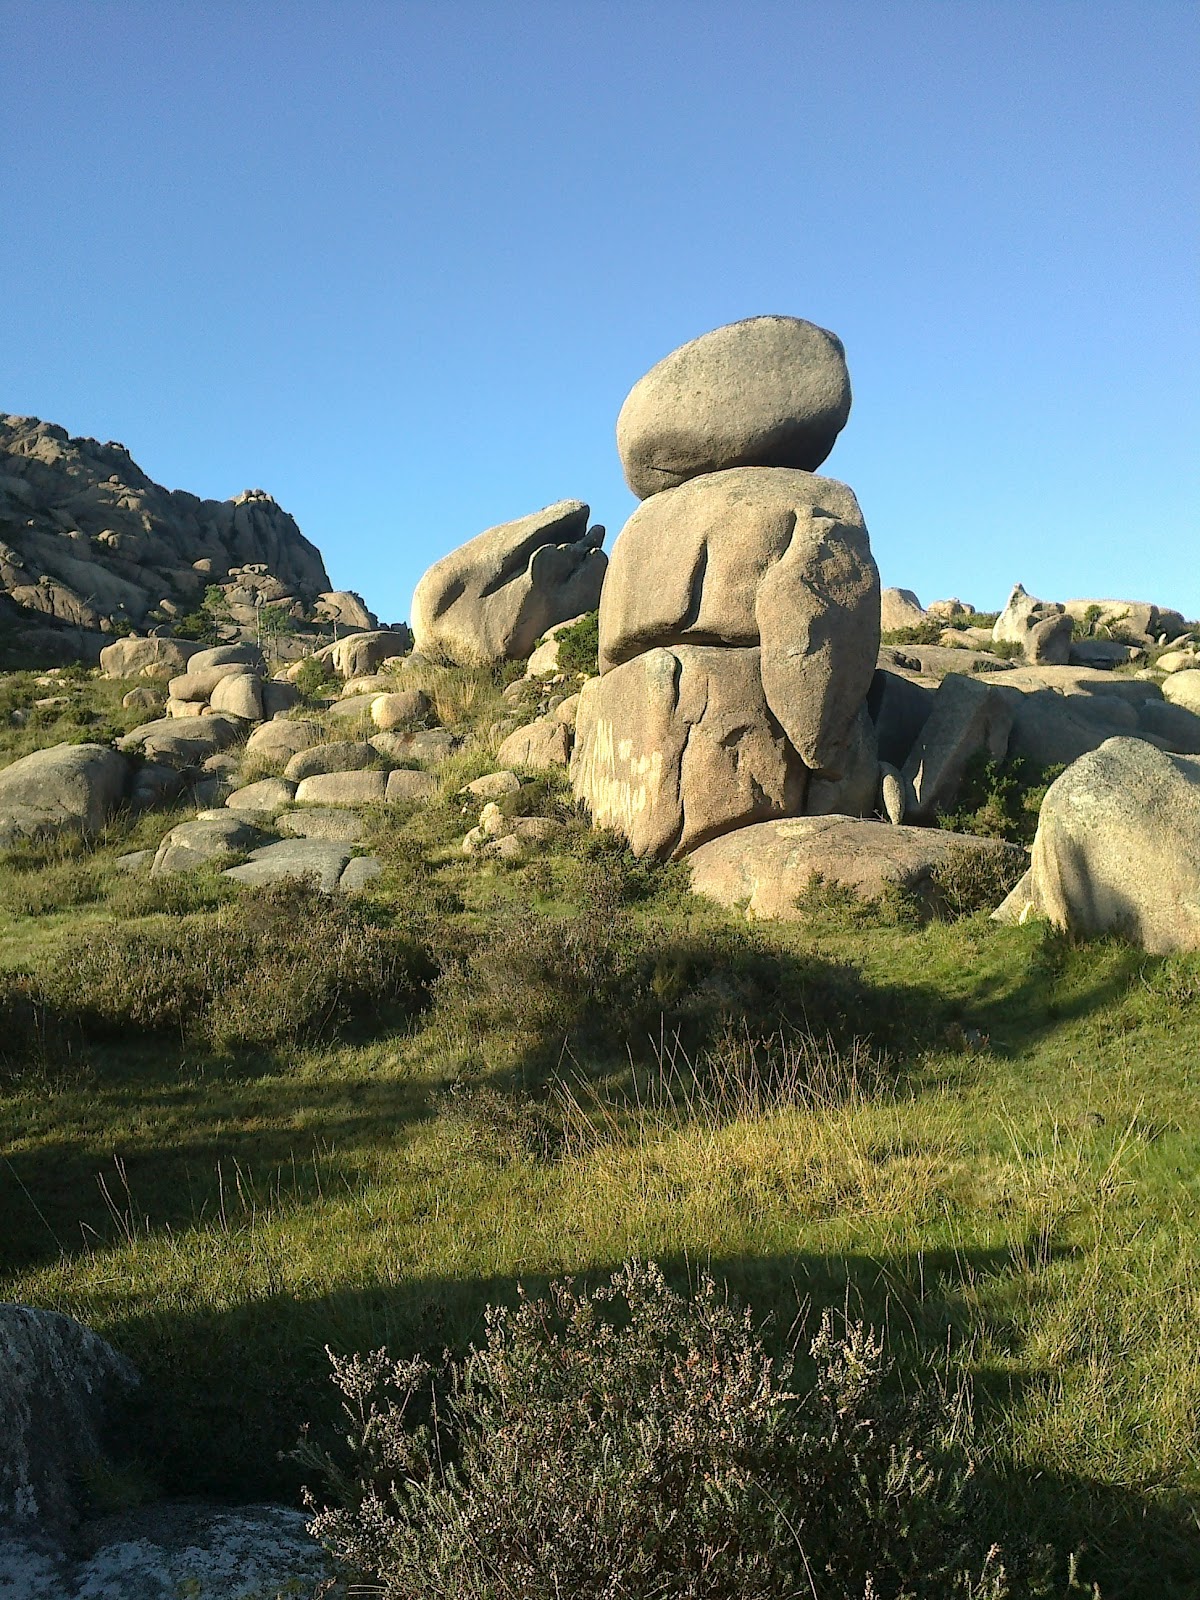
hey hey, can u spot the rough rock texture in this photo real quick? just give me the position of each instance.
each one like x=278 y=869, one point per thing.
x=88 y=539
x=679 y=745
x=322 y=860
x=899 y=708
x=968 y=717
x=541 y=745
x=493 y=598
x=183 y=741
x=68 y=787
x=361 y=653
x=268 y=794
x=173 y=1552
x=1118 y=849
x=900 y=608
x=1131 y=620
x=342 y=788
x=239 y=695
x=856 y=792
x=544 y=659
x=403 y=709
x=58 y=1381
x=323 y=822
x=345 y=607
x=403 y=784
x=764 y=869
x=281 y=739
x=764 y=392
x=342 y=756
x=1043 y=631
x=206 y=838
x=426 y=744
x=1183 y=689
x=756 y=556
x=160 y=658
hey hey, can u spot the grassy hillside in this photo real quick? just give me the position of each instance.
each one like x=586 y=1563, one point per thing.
x=984 y=1141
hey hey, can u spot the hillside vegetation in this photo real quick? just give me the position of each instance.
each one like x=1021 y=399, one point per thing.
x=238 y=1127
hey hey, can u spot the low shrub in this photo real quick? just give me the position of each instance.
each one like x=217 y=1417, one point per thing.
x=1000 y=799
x=579 y=646
x=970 y=879
x=272 y=967
x=313 y=676
x=635 y=1442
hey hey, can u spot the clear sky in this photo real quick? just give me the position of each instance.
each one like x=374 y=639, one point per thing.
x=399 y=263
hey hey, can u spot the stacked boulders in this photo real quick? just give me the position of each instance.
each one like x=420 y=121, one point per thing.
x=739 y=624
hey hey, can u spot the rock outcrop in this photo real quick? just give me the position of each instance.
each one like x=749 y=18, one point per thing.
x=1043 y=631
x=87 y=539
x=66 y=788
x=493 y=598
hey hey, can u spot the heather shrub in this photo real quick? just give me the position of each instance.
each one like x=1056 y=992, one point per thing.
x=631 y=1442
x=270 y=967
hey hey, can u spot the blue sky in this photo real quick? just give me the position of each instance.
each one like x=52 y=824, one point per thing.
x=399 y=264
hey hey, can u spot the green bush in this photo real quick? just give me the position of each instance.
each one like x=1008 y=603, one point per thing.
x=635 y=1442
x=971 y=879
x=579 y=646
x=313 y=675
x=1000 y=799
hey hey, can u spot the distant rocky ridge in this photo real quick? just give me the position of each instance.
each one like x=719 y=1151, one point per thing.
x=90 y=546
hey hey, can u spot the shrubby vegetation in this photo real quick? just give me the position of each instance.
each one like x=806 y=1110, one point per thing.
x=633 y=1441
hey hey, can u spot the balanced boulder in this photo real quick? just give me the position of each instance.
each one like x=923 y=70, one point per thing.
x=494 y=597
x=1043 y=631
x=765 y=392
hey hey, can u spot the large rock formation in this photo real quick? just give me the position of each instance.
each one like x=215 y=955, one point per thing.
x=1118 y=849
x=739 y=625
x=493 y=598
x=766 y=392
x=89 y=542
x=66 y=788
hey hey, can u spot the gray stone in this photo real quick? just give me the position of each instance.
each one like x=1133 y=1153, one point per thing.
x=354 y=708
x=764 y=392
x=134 y=864
x=65 y=788
x=426 y=744
x=748 y=557
x=223 y=655
x=354 y=788
x=239 y=695
x=1174 y=726
x=936 y=660
x=677 y=746
x=58 y=1384
x=268 y=794
x=541 y=746
x=1118 y=848
x=345 y=607
x=360 y=871
x=407 y=785
x=154 y=784
x=1183 y=689
x=766 y=868
x=142 y=700
x=183 y=741
x=1133 y=621
x=360 y=653
x=204 y=839
x=322 y=860
x=341 y=756
x=1043 y=631
x=899 y=708
x=1102 y=653
x=278 y=697
x=494 y=597
x=129 y=658
x=322 y=822
x=968 y=717
x=282 y=738
x=855 y=793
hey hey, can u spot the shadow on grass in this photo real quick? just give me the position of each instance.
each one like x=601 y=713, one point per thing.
x=229 y=1392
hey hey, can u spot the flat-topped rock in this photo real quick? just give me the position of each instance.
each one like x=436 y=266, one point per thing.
x=159 y=658
x=764 y=869
x=205 y=838
x=341 y=755
x=183 y=741
x=322 y=822
x=765 y=392
x=322 y=860
x=424 y=744
x=354 y=788
x=284 y=737
x=268 y=794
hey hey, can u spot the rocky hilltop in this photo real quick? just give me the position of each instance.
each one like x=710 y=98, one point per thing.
x=90 y=545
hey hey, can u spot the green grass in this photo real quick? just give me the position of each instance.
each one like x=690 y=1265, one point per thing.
x=983 y=1140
